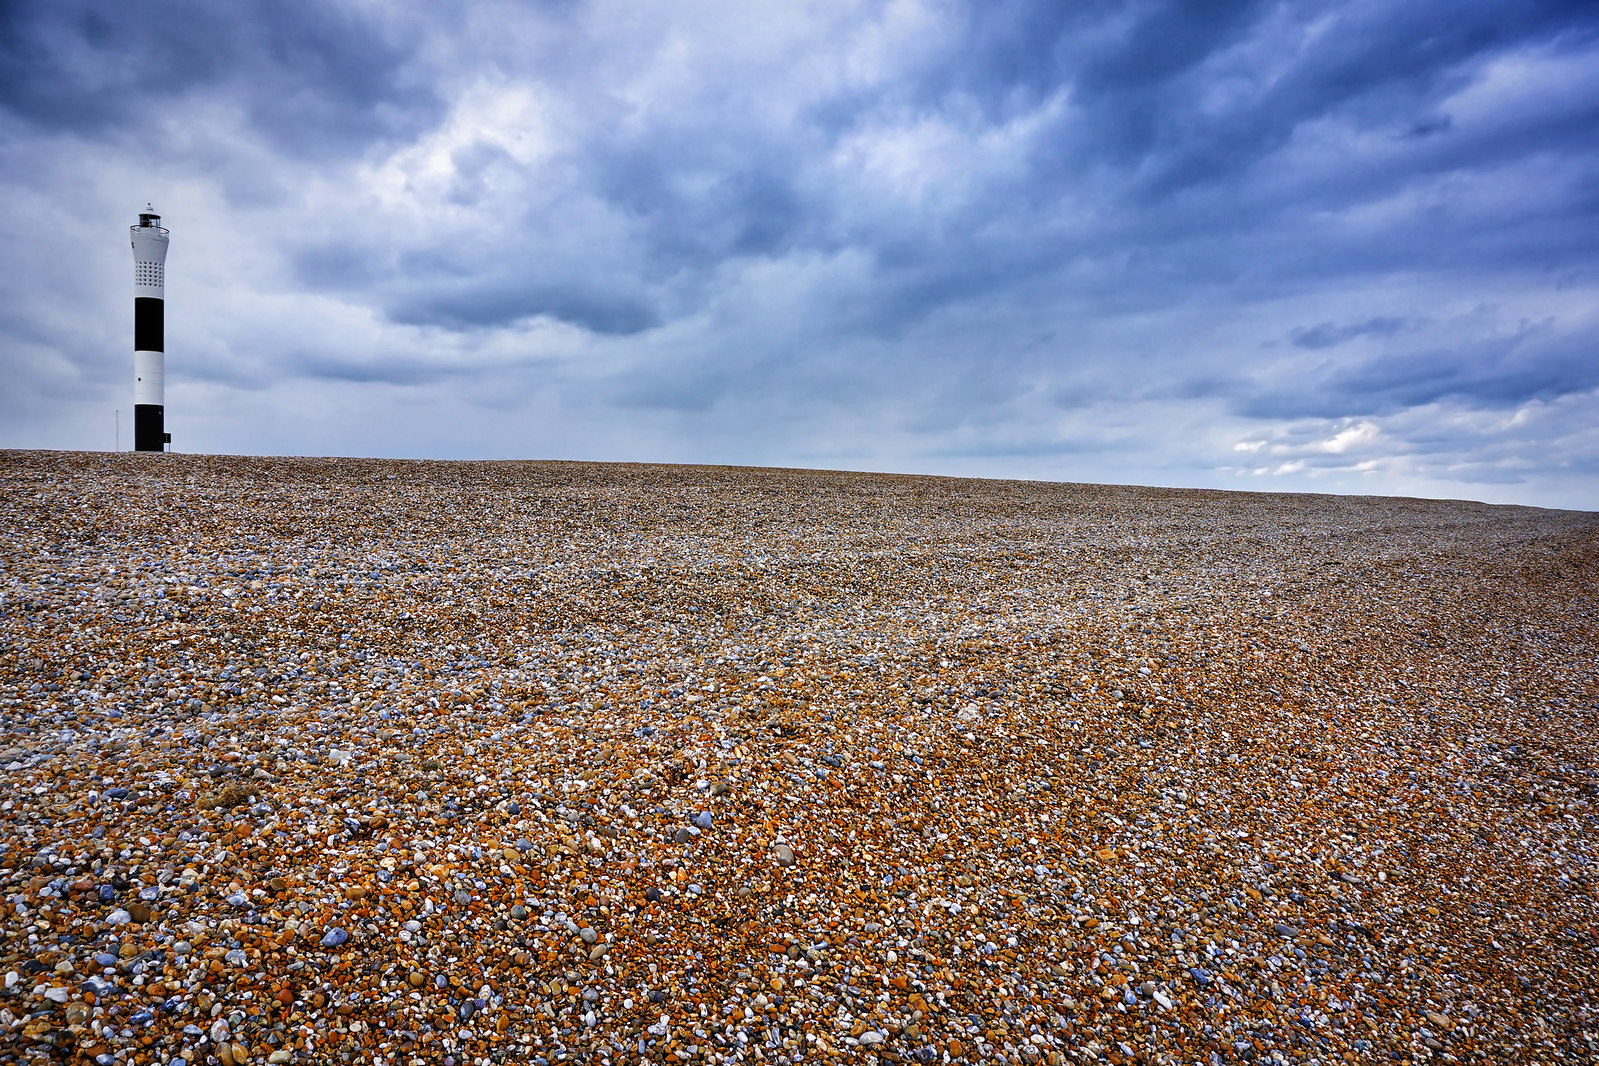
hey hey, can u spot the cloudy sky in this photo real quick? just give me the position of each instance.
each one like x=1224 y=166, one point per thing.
x=1306 y=246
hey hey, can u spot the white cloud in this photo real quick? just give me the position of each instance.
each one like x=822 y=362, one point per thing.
x=1361 y=433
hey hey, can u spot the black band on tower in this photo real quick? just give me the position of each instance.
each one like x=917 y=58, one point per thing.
x=149 y=434
x=149 y=324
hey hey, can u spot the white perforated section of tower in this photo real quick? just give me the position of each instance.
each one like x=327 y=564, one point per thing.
x=149 y=260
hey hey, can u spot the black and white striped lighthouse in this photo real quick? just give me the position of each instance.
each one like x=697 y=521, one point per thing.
x=149 y=329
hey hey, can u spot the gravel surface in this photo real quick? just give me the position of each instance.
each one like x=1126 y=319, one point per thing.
x=338 y=761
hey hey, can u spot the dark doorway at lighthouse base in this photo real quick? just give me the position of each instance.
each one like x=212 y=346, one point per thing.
x=149 y=435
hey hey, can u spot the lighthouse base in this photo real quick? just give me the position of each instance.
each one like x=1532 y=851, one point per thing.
x=149 y=433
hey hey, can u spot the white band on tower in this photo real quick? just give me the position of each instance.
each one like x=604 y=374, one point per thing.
x=149 y=378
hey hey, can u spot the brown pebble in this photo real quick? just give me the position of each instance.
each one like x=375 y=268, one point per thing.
x=1029 y=738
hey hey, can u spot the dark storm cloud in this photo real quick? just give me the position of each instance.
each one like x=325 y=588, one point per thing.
x=1493 y=372
x=1173 y=100
x=684 y=389
x=313 y=77
x=697 y=199
x=386 y=371
x=595 y=308
x=1328 y=335
x=1180 y=94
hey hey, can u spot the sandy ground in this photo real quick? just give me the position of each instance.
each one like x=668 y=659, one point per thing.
x=409 y=762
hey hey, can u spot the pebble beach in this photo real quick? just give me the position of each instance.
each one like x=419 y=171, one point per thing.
x=406 y=762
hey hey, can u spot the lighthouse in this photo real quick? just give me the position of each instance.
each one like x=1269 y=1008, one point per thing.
x=149 y=327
